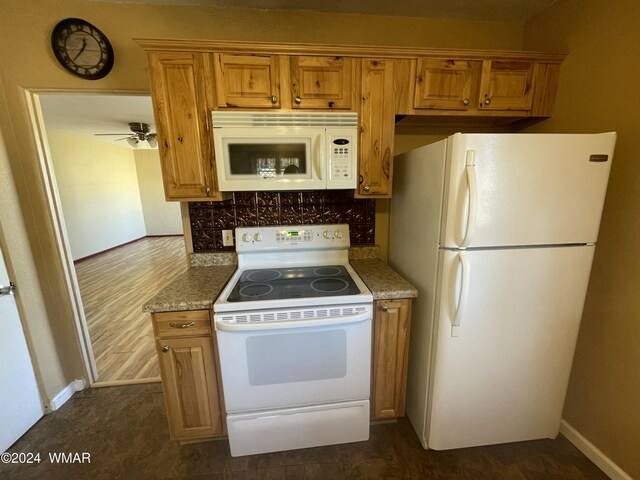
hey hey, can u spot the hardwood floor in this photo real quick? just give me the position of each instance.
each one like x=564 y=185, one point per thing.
x=114 y=285
x=124 y=429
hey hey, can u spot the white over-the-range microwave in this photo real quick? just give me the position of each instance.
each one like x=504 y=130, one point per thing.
x=285 y=151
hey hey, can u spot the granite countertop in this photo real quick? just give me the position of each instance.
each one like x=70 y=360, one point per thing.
x=383 y=282
x=195 y=289
x=198 y=287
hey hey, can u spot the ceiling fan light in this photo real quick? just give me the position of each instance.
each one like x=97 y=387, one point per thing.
x=152 y=141
x=132 y=141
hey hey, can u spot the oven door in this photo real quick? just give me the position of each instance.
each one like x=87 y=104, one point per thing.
x=270 y=158
x=270 y=365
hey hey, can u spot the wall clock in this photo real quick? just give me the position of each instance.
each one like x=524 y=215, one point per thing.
x=82 y=49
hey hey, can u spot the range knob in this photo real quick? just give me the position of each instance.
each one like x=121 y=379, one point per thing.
x=246 y=237
x=258 y=237
x=338 y=234
x=328 y=235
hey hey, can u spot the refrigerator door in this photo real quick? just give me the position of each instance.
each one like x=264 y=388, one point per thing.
x=503 y=378
x=524 y=189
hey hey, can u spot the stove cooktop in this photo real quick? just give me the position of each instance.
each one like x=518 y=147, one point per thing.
x=294 y=282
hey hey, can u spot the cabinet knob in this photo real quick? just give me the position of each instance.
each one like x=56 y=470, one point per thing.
x=487 y=101
x=366 y=188
x=465 y=101
x=274 y=99
x=298 y=100
x=207 y=189
x=165 y=349
x=385 y=308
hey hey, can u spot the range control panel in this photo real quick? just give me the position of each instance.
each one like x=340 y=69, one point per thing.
x=292 y=237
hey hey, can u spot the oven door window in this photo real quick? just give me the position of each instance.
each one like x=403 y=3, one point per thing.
x=296 y=357
x=268 y=158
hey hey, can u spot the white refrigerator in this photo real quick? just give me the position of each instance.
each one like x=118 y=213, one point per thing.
x=497 y=232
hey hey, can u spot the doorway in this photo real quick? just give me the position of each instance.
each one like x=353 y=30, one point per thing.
x=115 y=226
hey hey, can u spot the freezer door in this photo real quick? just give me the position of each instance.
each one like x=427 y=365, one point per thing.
x=525 y=189
x=503 y=377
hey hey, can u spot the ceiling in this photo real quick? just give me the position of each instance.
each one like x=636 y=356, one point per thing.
x=487 y=10
x=85 y=115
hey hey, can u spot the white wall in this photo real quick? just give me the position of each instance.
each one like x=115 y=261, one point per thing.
x=160 y=217
x=98 y=188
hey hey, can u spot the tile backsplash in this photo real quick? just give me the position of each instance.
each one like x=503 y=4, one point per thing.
x=246 y=209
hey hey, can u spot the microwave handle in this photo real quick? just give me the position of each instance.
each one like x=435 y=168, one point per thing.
x=319 y=155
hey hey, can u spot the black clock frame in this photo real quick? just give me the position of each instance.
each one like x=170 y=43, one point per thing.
x=61 y=30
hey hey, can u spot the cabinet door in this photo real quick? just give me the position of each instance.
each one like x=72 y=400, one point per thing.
x=446 y=84
x=377 y=122
x=322 y=82
x=179 y=83
x=190 y=380
x=506 y=85
x=392 y=320
x=248 y=81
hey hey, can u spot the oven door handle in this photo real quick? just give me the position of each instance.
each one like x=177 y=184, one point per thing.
x=278 y=325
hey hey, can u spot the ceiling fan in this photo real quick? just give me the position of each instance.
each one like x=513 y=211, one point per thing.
x=140 y=132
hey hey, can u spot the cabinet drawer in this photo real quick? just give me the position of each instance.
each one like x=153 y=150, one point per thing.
x=182 y=324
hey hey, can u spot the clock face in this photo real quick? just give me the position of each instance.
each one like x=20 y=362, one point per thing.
x=82 y=49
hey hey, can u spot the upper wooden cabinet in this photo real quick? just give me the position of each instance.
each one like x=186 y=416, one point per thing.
x=247 y=81
x=322 y=82
x=479 y=87
x=507 y=85
x=377 y=120
x=446 y=84
x=181 y=102
x=190 y=78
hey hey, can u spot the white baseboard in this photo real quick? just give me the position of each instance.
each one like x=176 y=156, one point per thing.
x=65 y=394
x=592 y=452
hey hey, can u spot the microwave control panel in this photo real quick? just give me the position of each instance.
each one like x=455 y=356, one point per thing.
x=343 y=155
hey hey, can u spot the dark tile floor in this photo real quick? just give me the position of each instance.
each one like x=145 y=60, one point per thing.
x=125 y=431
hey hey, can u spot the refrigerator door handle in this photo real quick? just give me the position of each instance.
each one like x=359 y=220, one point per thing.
x=472 y=183
x=464 y=292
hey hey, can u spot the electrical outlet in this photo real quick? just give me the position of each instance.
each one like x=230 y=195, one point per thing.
x=227 y=238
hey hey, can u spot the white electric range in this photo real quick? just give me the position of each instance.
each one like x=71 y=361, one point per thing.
x=294 y=336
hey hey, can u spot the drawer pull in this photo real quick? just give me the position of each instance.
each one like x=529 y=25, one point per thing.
x=182 y=325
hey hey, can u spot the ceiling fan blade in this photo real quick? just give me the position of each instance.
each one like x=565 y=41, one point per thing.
x=118 y=139
x=152 y=140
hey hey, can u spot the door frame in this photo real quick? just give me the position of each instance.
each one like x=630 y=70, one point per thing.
x=54 y=206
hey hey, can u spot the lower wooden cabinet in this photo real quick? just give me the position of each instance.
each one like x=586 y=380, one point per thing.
x=390 y=349
x=190 y=378
x=192 y=385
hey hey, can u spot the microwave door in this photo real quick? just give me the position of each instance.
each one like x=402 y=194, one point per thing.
x=269 y=158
